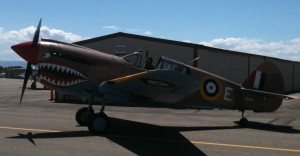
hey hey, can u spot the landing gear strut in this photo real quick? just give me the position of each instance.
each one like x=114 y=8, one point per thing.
x=243 y=120
x=33 y=85
x=97 y=123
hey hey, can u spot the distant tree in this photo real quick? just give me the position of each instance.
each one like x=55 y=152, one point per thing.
x=11 y=67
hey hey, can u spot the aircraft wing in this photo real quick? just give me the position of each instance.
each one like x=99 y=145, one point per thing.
x=165 y=86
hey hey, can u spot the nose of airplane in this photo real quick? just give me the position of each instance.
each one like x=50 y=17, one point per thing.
x=27 y=51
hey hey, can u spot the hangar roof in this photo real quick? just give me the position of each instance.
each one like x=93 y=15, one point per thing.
x=147 y=38
x=160 y=40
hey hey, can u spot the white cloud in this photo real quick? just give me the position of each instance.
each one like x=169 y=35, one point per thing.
x=59 y=35
x=111 y=27
x=148 y=33
x=282 y=49
x=9 y=38
x=26 y=34
x=15 y=36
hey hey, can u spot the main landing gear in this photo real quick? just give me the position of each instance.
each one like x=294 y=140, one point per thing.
x=243 y=120
x=97 y=123
x=33 y=85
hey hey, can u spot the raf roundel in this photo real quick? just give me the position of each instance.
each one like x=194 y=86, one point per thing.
x=211 y=89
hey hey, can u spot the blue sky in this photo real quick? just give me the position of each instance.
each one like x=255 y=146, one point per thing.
x=265 y=27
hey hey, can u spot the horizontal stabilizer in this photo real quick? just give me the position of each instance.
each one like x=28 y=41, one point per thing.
x=259 y=93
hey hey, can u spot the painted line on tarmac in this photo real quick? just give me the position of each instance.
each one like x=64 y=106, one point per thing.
x=245 y=146
x=168 y=140
x=29 y=129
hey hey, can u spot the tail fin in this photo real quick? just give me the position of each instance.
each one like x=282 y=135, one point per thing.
x=263 y=88
x=267 y=77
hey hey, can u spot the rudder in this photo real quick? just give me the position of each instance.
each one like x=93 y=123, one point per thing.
x=268 y=79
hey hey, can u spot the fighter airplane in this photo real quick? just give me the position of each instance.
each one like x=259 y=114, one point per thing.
x=88 y=73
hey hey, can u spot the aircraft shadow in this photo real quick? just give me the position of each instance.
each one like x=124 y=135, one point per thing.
x=67 y=134
x=139 y=138
x=148 y=139
x=270 y=127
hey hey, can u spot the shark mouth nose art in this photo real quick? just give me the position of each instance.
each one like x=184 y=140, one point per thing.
x=59 y=75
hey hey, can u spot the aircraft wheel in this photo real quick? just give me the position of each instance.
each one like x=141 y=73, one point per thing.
x=98 y=123
x=244 y=122
x=33 y=86
x=83 y=115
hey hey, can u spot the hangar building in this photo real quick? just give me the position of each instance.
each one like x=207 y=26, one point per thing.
x=233 y=65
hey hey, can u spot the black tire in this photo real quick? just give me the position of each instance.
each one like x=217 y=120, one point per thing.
x=98 y=123
x=33 y=86
x=243 y=122
x=83 y=115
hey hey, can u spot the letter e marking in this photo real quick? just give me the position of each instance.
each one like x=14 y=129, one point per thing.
x=227 y=93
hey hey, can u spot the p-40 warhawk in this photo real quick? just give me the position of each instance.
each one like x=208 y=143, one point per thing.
x=89 y=73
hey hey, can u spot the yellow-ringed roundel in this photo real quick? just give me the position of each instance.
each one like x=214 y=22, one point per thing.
x=211 y=88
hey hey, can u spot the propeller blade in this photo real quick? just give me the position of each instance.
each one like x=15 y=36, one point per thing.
x=21 y=47
x=28 y=72
x=36 y=34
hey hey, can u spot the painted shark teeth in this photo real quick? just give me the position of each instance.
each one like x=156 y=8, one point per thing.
x=60 y=83
x=60 y=68
x=75 y=77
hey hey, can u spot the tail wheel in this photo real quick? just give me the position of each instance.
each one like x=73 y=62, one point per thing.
x=244 y=122
x=98 y=123
x=83 y=115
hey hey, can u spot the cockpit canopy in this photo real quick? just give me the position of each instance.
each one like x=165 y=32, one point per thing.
x=134 y=59
x=170 y=64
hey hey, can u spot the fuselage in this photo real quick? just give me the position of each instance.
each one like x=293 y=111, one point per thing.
x=78 y=70
x=88 y=73
x=73 y=69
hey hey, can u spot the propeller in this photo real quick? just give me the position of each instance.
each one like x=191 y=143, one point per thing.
x=28 y=67
x=28 y=72
x=36 y=34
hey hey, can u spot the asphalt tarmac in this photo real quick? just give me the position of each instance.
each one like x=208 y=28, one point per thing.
x=41 y=127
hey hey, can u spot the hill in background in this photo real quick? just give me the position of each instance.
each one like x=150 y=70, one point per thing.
x=8 y=63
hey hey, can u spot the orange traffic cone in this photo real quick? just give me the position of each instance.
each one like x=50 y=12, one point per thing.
x=51 y=95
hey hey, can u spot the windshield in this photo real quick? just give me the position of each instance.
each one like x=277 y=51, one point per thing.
x=134 y=59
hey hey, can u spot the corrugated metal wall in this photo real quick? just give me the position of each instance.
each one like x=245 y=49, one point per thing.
x=155 y=49
x=296 y=76
x=234 y=66
x=237 y=67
